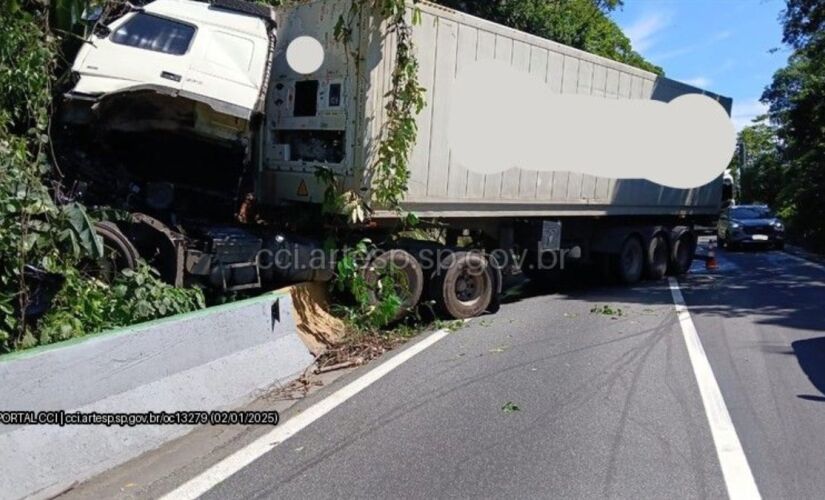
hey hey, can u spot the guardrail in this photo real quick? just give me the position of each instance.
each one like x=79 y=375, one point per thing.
x=216 y=359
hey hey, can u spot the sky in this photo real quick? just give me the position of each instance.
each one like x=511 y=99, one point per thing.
x=718 y=45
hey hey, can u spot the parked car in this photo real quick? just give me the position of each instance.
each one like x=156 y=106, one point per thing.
x=750 y=225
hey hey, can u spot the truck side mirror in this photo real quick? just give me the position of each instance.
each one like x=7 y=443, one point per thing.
x=101 y=31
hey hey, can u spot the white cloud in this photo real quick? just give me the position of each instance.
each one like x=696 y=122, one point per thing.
x=702 y=82
x=643 y=31
x=745 y=111
x=680 y=51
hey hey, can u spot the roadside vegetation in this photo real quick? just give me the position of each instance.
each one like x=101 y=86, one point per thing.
x=782 y=155
x=45 y=244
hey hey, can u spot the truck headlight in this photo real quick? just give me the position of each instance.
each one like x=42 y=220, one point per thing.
x=735 y=225
x=778 y=226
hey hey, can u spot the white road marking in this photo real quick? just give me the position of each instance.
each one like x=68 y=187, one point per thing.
x=735 y=469
x=219 y=472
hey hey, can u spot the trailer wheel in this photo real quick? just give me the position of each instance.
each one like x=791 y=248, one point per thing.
x=630 y=261
x=119 y=254
x=463 y=287
x=681 y=257
x=409 y=271
x=658 y=258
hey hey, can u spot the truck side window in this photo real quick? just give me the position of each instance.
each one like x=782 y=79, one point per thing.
x=145 y=31
x=306 y=98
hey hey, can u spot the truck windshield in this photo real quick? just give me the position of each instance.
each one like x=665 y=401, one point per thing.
x=145 y=31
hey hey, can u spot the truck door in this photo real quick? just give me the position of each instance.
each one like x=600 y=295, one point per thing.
x=227 y=68
x=141 y=49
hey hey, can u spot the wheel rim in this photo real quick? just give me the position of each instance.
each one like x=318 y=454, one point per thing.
x=468 y=287
x=116 y=257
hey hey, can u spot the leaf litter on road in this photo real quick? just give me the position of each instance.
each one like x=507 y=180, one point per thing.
x=607 y=310
x=510 y=407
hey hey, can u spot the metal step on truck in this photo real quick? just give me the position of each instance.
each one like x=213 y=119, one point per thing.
x=194 y=120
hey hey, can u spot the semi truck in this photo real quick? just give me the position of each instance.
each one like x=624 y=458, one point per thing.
x=189 y=117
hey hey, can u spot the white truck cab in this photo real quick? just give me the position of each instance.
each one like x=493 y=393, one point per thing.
x=215 y=54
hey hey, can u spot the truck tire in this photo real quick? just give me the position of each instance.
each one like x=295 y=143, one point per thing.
x=630 y=261
x=463 y=286
x=497 y=278
x=682 y=254
x=410 y=269
x=657 y=258
x=119 y=254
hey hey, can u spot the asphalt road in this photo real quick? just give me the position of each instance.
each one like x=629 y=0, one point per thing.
x=607 y=407
x=762 y=323
x=608 y=403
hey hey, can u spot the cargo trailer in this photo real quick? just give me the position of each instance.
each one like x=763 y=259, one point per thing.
x=198 y=85
x=446 y=41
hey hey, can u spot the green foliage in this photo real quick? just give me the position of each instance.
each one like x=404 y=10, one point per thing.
x=797 y=110
x=583 y=24
x=33 y=229
x=27 y=57
x=607 y=310
x=85 y=306
x=376 y=302
x=510 y=407
x=338 y=201
x=406 y=100
x=761 y=172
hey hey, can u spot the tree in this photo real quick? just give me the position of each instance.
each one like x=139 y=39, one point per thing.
x=761 y=171
x=583 y=24
x=796 y=97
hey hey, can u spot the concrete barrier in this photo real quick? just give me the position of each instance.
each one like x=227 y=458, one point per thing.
x=215 y=359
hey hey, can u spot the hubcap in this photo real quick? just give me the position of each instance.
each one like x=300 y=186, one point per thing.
x=468 y=286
